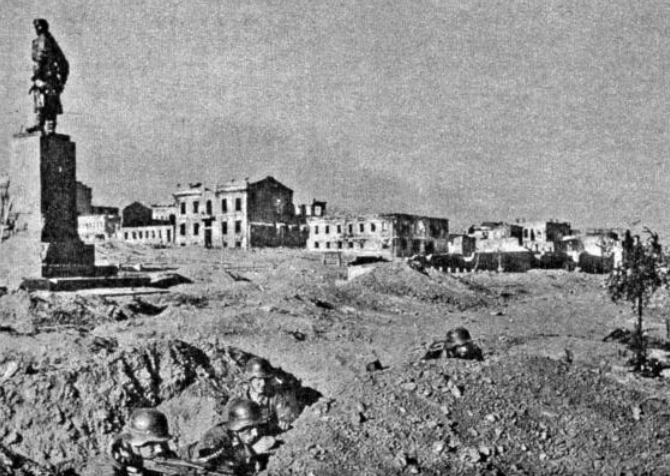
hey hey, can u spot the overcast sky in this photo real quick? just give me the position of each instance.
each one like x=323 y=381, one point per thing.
x=470 y=110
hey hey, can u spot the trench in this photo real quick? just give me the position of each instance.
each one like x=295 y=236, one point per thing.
x=59 y=414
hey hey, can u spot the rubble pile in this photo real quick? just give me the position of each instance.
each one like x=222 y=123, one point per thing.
x=24 y=313
x=58 y=412
x=403 y=281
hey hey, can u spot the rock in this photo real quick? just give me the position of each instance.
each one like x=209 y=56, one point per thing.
x=409 y=386
x=12 y=437
x=637 y=412
x=665 y=373
x=357 y=418
x=438 y=447
x=470 y=456
x=401 y=460
x=485 y=451
x=9 y=370
x=456 y=392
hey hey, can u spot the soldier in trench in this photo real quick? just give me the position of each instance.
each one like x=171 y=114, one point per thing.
x=278 y=404
x=457 y=344
x=145 y=438
x=235 y=445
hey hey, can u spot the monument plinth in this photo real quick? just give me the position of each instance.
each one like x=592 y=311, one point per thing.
x=43 y=190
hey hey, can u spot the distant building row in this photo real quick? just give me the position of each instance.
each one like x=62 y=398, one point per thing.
x=236 y=215
x=247 y=214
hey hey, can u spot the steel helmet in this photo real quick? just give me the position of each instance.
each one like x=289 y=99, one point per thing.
x=42 y=23
x=147 y=425
x=243 y=414
x=457 y=337
x=257 y=367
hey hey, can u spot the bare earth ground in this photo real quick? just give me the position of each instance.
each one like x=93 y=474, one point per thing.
x=72 y=367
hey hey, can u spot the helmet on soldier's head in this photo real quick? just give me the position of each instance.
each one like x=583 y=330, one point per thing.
x=257 y=368
x=147 y=425
x=42 y=23
x=457 y=337
x=243 y=414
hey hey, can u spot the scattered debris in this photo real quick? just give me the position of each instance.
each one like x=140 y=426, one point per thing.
x=373 y=366
x=568 y=356
x=623 y=336
x=297 y=335
x=322 y=304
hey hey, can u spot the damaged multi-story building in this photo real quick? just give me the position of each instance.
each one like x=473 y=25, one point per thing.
x=390 y=235
x=240 y=214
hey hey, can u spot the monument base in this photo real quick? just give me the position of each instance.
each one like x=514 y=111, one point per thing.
x=67 y=258
x=44 y=242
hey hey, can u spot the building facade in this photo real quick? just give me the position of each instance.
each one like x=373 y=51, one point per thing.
x=139 y=225
x=164 y=212
x=461 y=244
x=238 y=214
x=98 y=228
x=392 y=235
x=147 y=235
x=544 y=236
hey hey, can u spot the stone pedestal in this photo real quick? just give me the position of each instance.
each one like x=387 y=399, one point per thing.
x=43 y=193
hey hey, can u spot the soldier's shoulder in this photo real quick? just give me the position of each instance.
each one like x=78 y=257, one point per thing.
x=216 y=436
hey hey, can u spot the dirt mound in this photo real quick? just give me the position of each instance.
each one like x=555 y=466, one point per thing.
x=523 y=415
x=59 y=412
x=400 y=280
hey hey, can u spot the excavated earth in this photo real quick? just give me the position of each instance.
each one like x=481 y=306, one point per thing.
x=550 y=396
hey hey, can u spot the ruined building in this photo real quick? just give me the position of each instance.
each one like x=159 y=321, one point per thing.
x=496 y=236
x=391 y=235
x=239 y=214
x=95 y=224
x=544 y=236
x=139 y=225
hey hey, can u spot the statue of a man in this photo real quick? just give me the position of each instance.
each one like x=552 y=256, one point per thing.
x=50 y=72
